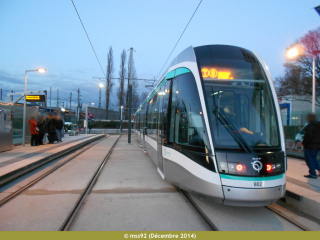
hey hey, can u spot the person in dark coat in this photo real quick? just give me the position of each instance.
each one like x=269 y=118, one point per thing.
x=90 y=127
x=42 y=126
x=51 y=128
x=33 y=131
x=59 y=127
x=311 y=145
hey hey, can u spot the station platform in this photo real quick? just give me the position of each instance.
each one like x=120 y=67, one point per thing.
x=302 y=193
x=22 y=159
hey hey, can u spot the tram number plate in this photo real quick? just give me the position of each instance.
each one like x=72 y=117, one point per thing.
x=257 y=184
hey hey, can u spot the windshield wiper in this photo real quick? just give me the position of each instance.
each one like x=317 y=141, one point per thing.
x=232 y=130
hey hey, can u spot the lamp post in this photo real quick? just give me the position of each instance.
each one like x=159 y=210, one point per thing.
x=293 y=52
x=100 y=87
x=121 y=120
x=41 y=70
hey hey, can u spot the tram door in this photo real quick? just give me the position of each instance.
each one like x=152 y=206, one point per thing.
x=160 y=129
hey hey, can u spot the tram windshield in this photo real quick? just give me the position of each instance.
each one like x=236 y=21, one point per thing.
x=240 y=104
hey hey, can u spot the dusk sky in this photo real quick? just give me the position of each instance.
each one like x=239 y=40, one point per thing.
x=49 y=34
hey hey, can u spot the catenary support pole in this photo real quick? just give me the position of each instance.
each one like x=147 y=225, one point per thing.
x=86 y=126
x=70 y=101
x=130 y=95
x=24 y=111
x=50 y=97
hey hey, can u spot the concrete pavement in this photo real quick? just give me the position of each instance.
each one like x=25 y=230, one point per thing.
x=302 y=193
x=130 y=195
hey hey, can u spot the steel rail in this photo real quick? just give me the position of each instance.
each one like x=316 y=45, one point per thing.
x=202 y=214
x=287 y=218
x=74 y=212
x=33 y=182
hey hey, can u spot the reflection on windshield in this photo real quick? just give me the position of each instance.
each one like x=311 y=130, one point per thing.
x=248 y=107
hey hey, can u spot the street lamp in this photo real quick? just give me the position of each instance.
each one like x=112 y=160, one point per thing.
x=121 y=120
x=41 y=70
x=293 y=52
x=100 y=87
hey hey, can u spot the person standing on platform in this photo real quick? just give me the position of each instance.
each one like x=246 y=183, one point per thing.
x=51 y=128
x=89 y=126
x=33 y=131
x=311 y=145
x=59 y=127
x=42 y=129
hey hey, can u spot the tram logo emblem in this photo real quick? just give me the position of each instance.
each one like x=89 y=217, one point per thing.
x=256 y=164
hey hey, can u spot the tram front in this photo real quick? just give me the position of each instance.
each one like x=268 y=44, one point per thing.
x=244 y=125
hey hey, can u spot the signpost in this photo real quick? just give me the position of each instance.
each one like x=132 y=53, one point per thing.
x=91 y=115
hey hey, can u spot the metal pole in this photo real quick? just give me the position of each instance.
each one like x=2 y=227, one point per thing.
x=70 y=101
x=78 y=108
x=57 y=99
x=50 y=97
x=130 y=95
x=0 y=94
x=99 y=97
x=121 y=120
x=24 y=111
x=86 y=119
x=314 y=85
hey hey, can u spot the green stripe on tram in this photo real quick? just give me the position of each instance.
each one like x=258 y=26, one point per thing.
x=177 y=72
x=169 y=75
x=180 y=71
x=242 y=178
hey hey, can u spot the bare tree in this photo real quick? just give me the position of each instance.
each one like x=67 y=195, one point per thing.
x=109 y=75
x=122 y=75
x=135 y=86
x=297 y=79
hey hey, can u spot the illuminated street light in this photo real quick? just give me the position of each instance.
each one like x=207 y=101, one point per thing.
x=101 y=85
x=63 y=109
x=293 y=52
x=41 y=70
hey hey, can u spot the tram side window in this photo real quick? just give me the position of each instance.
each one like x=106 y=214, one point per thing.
x=166 y=92
x=187 y=116
x=152 y=116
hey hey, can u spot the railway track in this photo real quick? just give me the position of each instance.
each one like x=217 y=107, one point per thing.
x=278 y=212
x=213 y=227
x=74 y=212
x=33 y=182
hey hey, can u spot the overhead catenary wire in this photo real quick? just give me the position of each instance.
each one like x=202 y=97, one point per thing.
x=88 y=38
x=179 y=38
x=91 y=44
x=144 y=64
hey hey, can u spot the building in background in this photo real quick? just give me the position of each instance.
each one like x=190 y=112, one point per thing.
x=294 y=109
